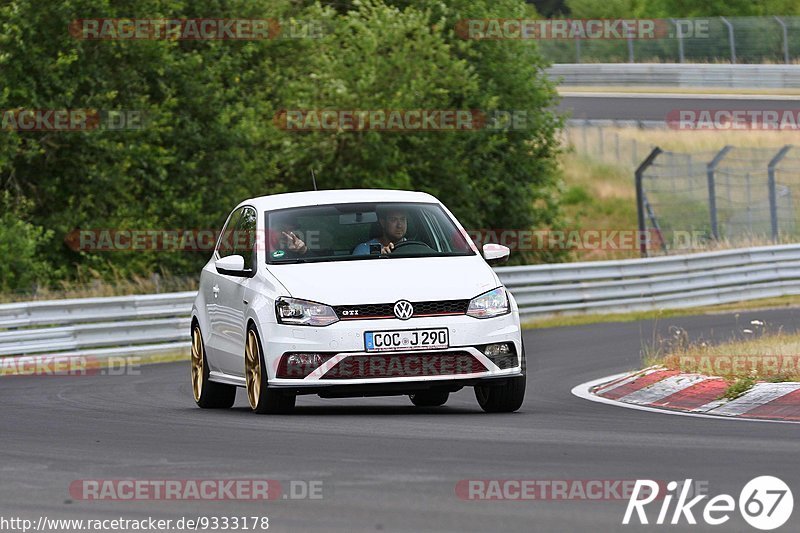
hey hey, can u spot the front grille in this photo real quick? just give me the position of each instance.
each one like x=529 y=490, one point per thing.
x=421 y=309
x=405 y=365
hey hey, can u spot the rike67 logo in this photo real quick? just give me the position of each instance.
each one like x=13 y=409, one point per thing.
x=765 y=503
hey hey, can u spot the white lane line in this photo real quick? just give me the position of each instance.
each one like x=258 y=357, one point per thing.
x=662 y=389
x=584 y=391
x=681 y=96
x=760 y=394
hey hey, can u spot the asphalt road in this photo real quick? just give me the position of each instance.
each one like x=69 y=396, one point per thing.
x=620 y=106
x=384 y=464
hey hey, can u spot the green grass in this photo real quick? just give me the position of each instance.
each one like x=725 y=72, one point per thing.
x=579 y=320
x=739 y=387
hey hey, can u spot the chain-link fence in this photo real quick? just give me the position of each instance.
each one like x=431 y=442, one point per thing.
x=602 y=141
x=735 y=195
x=695 y=199
x=699 y=40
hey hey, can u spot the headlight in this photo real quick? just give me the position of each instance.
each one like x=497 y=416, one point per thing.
x=304 y=313
x=489 y=304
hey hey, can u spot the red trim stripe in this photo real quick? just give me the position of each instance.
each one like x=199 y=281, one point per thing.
x=787 y=407
x=695 y=396
x=639 y=383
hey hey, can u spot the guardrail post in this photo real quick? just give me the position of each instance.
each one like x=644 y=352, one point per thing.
x=773 y=196
x=640 y=197
x=785 y=39
x=679 y=36
x=730 y=39
x=712 y=193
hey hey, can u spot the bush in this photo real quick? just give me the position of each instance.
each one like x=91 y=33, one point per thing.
x=21 y=247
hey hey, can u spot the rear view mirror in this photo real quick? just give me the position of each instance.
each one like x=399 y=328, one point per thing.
x=357 y=218
x=232 y=265
x=495 y=254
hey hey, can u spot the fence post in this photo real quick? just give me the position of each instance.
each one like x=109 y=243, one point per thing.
x=600 y=144
x=785 y=39
x=577 y=48
x=712 y=192
x=731 y=39
x=583 y=137
x=639 y=174
x=773 y=197
x=630 y=50
x=679 y=35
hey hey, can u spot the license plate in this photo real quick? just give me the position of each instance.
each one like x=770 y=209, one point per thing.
x=410 y=339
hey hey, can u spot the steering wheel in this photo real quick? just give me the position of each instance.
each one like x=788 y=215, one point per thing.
x=407 y=244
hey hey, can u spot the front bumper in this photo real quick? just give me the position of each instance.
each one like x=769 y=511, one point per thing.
x=346 y=340
x=383 y=388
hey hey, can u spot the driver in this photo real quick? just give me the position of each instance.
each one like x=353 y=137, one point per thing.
x=394 y=224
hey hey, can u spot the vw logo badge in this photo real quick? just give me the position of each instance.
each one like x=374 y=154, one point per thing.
x=403 y=310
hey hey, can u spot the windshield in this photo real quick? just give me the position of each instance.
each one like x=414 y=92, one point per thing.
x=346 y=232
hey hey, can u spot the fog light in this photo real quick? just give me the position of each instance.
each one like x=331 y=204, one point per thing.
x=299 y=365
x=493 y=350
x=295 y=359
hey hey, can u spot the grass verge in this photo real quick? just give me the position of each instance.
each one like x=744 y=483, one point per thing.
x=755 y=355
x=579 y=320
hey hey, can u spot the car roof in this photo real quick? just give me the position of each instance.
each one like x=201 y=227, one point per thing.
x=340 y=196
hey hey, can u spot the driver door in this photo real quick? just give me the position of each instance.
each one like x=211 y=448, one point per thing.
x=230 y=326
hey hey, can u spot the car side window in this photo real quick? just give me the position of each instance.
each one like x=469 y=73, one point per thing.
x=245 y=240
x=226 y=240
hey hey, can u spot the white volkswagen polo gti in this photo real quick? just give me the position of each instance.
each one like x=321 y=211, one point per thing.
x=353 y=293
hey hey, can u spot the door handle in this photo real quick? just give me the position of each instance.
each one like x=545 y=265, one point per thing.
x=215 y=290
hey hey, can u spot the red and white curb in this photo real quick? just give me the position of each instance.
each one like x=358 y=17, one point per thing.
x=672 y=392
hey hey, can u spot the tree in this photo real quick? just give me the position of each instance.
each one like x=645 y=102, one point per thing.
x=209 y=139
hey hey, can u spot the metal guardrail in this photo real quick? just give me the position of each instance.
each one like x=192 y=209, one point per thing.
x=676 y=281
x=676 y=75
x=150 y=324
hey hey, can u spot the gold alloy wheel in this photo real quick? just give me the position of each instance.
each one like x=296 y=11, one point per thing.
x=197 y=363
x=252 y=369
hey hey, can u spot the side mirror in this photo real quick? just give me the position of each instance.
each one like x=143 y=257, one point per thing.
x=495 y=254
x=232 y=265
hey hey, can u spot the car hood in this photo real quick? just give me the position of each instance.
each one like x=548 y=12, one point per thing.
x=387 y=280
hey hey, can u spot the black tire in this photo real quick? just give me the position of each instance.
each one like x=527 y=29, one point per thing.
x=264 y=400
x=505 y=398
x=207 y=394
x=429 y=398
